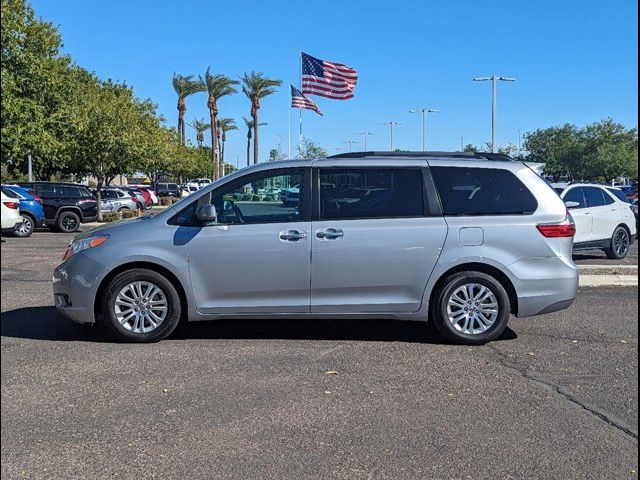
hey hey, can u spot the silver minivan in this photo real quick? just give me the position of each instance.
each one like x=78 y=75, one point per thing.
x=459 y=240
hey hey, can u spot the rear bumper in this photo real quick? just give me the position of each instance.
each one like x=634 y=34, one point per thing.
x=544 y=285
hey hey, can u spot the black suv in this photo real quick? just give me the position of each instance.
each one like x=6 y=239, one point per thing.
x=168 y=190
x=66 y=205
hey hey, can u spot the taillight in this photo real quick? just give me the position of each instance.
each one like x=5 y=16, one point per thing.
x=12 y=205
x=37 y=198
x=564 y=229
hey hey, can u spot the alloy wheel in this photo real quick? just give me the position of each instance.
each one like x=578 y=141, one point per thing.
x=141 y=307
x=472 y=308
x=621 y=242
x=69 y=223
x=23 y=229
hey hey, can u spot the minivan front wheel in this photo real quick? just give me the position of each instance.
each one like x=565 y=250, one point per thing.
x=471 y=308
x=620 y=244
x=141 y=305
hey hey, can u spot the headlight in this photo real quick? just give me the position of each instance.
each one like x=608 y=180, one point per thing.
x=84 y=244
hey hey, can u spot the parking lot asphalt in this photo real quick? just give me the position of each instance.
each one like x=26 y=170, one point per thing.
x=598 y=257
x=555 y=397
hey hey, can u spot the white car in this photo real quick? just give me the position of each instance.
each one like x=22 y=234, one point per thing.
x=10 y=213
x=199 y=182
x=604 y=218
x=187 y=190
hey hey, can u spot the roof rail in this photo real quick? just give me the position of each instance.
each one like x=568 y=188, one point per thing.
x=499 y=157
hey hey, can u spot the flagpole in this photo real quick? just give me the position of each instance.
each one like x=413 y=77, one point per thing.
x=300 y=109
x=289 y=156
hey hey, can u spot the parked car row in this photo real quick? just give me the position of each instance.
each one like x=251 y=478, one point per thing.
x=64 y=206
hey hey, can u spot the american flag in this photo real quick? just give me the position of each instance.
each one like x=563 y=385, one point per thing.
x=298 y=100
x=327 y=79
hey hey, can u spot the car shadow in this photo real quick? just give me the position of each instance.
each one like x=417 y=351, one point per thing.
x=45 y=323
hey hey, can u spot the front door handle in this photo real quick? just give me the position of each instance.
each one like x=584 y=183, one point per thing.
x=292 y=235
x=330 y=233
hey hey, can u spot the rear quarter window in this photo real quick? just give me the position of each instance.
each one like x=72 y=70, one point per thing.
x=619 y=194
x=467 y=191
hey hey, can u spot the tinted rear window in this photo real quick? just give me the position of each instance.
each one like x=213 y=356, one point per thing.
x=10 y=193
x=619 y=194
x=350 y=193
x=44 y=190
x=68 y=191
x=482 y=191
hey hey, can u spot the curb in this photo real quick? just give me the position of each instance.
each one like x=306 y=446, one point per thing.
x=608 y=281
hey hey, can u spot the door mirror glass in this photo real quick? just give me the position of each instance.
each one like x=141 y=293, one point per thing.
x=207 y=213
x=571 y=205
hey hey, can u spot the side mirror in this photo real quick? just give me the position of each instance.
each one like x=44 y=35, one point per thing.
x=207 y=213
x=571 y=205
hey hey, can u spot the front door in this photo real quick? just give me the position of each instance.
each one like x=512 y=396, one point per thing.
x=256 y=258
x=374 y=247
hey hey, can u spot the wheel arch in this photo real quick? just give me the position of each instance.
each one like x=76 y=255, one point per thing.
x=69 y=208
x=482 y=268
x=168 y=274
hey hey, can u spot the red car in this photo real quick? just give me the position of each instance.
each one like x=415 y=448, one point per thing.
x=147 y=196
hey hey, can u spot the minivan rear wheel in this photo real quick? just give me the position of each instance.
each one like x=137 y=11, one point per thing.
x=471 y=308
x=620 y=244
x=141 y=305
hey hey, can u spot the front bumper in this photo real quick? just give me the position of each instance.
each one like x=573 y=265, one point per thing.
x=75 y=284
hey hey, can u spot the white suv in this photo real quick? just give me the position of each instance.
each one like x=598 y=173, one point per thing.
x=604 y=219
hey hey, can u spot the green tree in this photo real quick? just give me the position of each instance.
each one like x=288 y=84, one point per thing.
x=249 y=124
x=200 y=126
x=561 y=148
x=276 y=155
x=110 y=128
x=256 y=87
x=217 y=86
x=610 y=150
x=471 y=148
x=225 y=125
x=310 y=149
x=37 y=84
x=184 y=85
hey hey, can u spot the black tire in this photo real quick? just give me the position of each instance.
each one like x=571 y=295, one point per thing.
x=174 y=307
x=620 y=244
x=440 y=317
x=123 y=209
x=26 y=227
x=68 y=222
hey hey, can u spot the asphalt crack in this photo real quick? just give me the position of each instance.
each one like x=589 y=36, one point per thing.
x=565 y=394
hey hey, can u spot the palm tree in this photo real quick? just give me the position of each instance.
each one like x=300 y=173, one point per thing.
x=255 y=86
x=225 y=125
x=249 y=123
x=200 y=126
x=184 y=86
x=218 y=86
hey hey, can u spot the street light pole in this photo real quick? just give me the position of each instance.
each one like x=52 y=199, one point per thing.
x=494 y=80
x=350 y=142
x=30 y=171
x=391 y=124
x=364 y=136
x=424 y=112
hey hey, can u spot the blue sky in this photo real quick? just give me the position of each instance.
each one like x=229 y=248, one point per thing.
x=575 y=61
